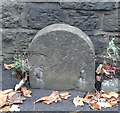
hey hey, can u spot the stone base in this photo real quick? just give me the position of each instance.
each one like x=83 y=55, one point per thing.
x=110 y=85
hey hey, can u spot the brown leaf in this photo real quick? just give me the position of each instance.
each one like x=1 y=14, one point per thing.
x=110 y=94
x=95 y=106
x=88 y=98
x=42 y=99
x=113 y=94
x=14 y=108
x=102 y=99
x=54 y=93
x=92 y=101
x=113 y=101
x=78 y=101
x=5 y=109
x=55 y=96
x=25 y=92
x=17 y=98
x=10 y=95
x=3 y=100
x=8 y=66
x=104 y=95
x=6 y=91
x=64 y=95
x=108 y=105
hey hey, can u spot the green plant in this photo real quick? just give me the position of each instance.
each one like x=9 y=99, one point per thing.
x=20 y=67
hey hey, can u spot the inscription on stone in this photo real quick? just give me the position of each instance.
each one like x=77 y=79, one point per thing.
x=63 y=58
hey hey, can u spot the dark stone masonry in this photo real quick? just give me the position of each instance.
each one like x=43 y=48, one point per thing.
x=21 y=21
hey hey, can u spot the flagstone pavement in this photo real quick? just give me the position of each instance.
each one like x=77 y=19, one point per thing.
x=65 y=106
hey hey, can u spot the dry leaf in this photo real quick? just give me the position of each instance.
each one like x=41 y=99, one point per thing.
x=5 y=109
x=102 y=99
x=8 y=66
x=92 y=101
x=95 y=106
x=3 y=97
x=88 y=98
x=78 y=101
x=55 y=96
x=10 y=95
x=42 y=99
x=3 y=100
x=64 y=95
x=113 y=101
x=14 y=108
x=113 y=94
x=104 y=104
x=17 y=98
x=25 y=92
x=6 y=91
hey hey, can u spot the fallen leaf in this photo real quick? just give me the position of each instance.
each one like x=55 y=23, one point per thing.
x=102 y=99
x=5 y=109
x=88 y=98
x=55 y=96
x=113 y=94
x=42 y=99
x=64 y=95
x=25 y=92
x=113 y=101
x=3 y=100
x=8 y=66
x=6 y=91
x=14 y=108
x=10 y=95
x=104 y=104
x=92 y=101
x=17 y=99
x=95 y=106
x=78 y=101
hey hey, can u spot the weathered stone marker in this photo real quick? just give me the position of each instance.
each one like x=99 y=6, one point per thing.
x=62 y=58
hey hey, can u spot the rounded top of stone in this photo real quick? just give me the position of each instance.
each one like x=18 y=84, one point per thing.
x=67 y=28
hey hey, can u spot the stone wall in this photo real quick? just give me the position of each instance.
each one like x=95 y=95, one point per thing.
x=22 y=20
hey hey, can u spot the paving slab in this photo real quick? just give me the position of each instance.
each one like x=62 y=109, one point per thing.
x=66 y=105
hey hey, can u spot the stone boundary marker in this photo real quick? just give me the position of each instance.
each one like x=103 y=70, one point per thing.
x=62 y=58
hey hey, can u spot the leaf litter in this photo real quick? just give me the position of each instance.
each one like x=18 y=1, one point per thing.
x=98 y=100
x=9 y=98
